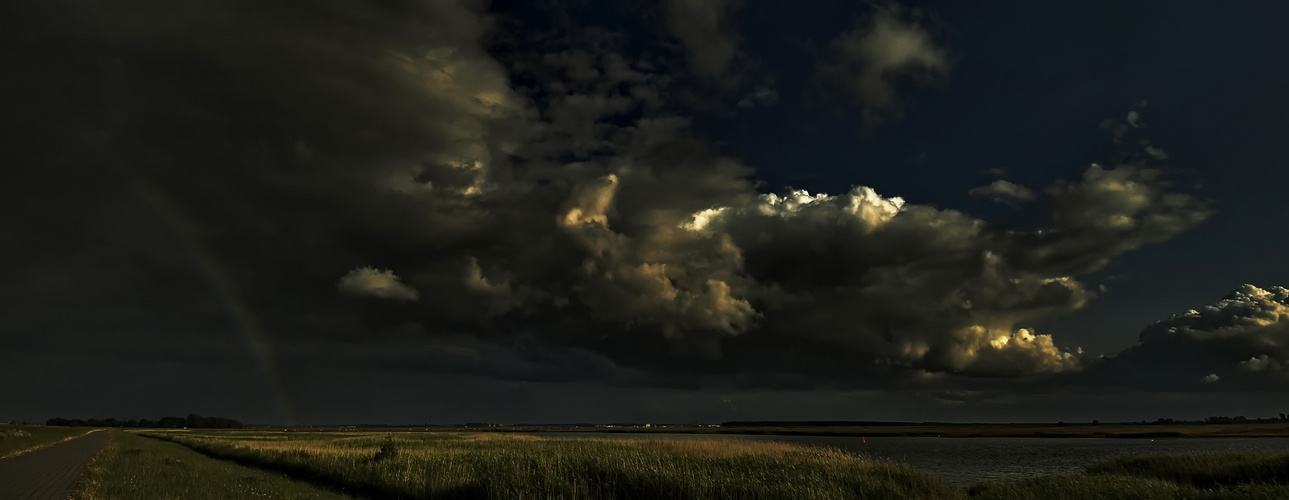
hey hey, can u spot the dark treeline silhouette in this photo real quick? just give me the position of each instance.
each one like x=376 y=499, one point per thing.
x=192 y=421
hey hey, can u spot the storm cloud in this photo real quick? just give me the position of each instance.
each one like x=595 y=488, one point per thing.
x=1237 y=342
x=547 y=207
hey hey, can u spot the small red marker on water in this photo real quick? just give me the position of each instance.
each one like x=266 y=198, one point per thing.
x=861 y=439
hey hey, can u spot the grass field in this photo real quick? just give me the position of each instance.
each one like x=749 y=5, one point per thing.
x=16 y=439
x=1071 y=430
x=1237 y=476
x=1096 y=487
x=133 y=467
x=1204 y=470
x=505 y=465
x=441 y=465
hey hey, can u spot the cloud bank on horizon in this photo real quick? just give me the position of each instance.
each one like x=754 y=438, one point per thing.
x=1236 y=343
x=534 y=200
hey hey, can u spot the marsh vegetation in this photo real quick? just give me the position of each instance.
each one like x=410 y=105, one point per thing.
x=272 y=464
x=441 y=465
x=1247 y=475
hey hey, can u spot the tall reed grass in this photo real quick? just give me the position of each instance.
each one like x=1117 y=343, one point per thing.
x=1203 y=470
x=438 y=465
x=1190 y=476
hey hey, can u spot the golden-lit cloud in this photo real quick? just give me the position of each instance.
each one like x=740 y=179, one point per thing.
x=371 y=282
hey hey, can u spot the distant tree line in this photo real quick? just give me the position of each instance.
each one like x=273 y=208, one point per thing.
x=192 y=421
x=1240 y=419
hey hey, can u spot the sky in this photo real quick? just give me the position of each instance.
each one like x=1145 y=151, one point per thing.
x=448 y=211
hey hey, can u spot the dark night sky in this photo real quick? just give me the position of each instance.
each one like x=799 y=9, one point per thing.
x=444 y=211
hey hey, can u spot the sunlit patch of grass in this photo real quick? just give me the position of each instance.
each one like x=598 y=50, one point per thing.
x=442 y=465
x=726 y=448
x=132 y=467
x=18 y=439
x=493 y=436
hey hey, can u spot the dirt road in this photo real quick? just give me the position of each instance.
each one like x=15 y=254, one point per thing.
x=50 y=472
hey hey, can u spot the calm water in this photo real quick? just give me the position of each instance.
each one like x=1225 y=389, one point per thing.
x=966 y=461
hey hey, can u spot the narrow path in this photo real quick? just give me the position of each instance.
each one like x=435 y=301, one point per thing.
x=50 y=472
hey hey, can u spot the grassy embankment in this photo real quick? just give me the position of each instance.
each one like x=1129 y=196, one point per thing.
x=441 y=465
x=1194 y=476
x=131 y=467
x=17 y=439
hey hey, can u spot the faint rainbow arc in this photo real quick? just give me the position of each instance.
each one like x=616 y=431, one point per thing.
x=253 y=338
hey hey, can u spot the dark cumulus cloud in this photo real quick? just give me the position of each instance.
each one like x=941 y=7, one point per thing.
x=339 y=173
x=1237 y=343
